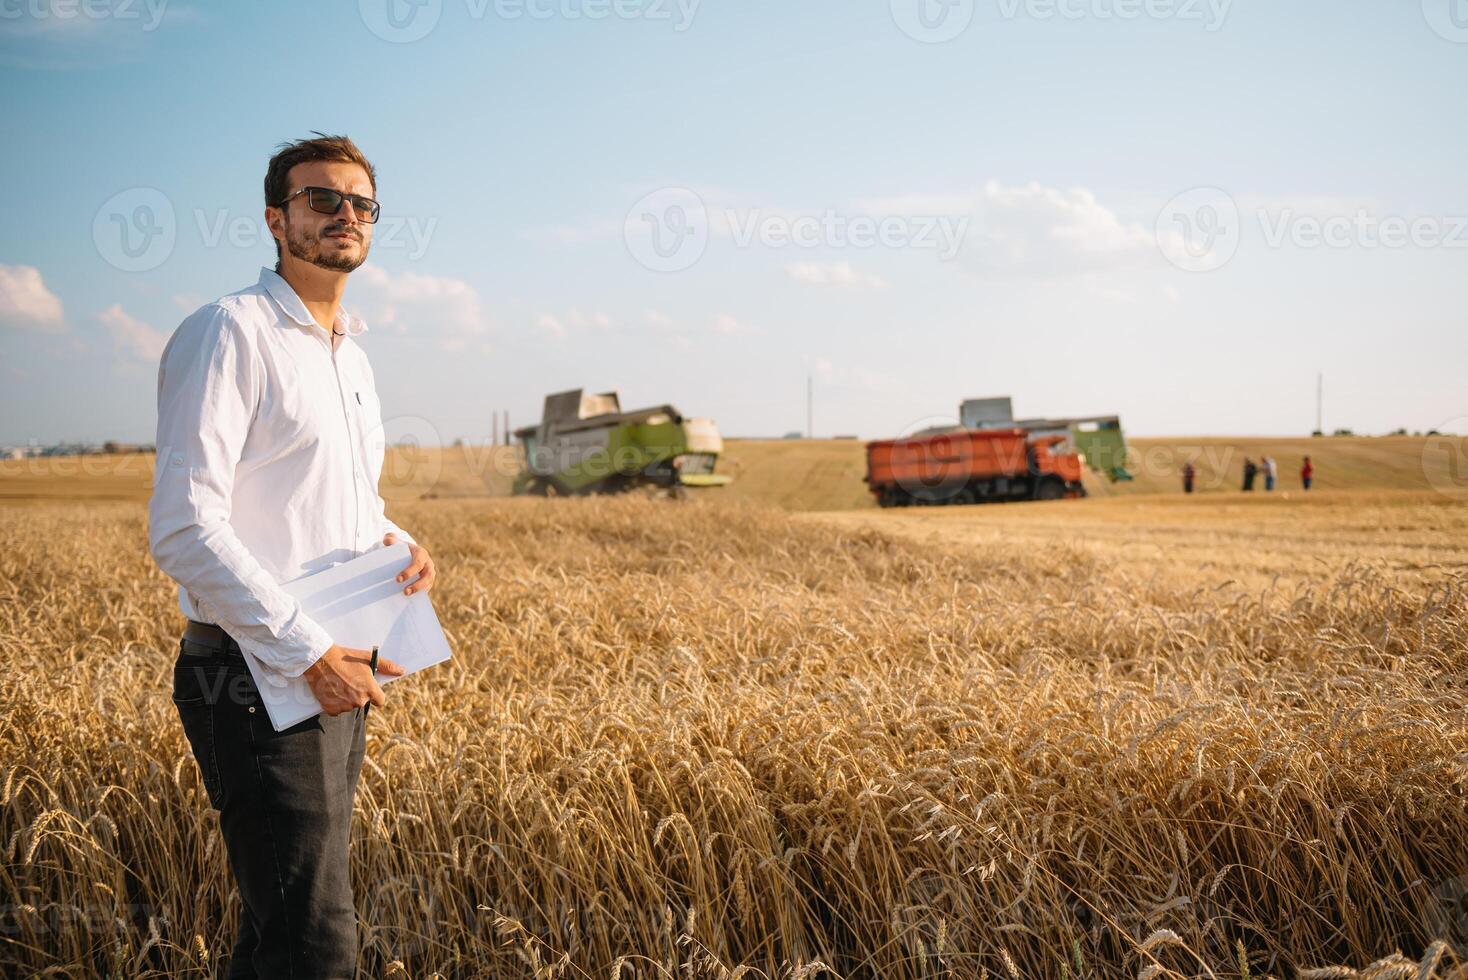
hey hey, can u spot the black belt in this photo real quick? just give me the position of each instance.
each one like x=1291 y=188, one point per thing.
x=212 y=637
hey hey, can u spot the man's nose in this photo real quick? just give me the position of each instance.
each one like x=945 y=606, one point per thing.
x=346 y=214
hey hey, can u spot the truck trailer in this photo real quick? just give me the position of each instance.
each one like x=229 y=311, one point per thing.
x=967 y=466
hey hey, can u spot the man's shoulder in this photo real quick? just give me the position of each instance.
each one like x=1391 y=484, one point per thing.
x=239 y=314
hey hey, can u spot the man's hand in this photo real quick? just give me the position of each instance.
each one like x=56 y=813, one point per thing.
x=342 y=679
x=418 y=562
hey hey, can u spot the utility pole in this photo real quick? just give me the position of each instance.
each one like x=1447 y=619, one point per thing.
x=810 y=399
x=1320 y=402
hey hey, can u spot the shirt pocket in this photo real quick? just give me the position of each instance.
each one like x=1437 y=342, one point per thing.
x=367 y=416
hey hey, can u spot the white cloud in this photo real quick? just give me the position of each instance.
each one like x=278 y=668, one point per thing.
x=656 y=318
x=437 y=308
x=1033 y=230
x=132 y=336
x=551 y=325
x=726 y=324
x=599 y=320
x=832 y=274
x=26 y=303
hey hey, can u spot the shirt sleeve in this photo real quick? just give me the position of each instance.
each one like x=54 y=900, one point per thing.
x=208 y=388
x=388 y=527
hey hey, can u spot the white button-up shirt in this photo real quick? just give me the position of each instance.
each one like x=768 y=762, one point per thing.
x=270 y=448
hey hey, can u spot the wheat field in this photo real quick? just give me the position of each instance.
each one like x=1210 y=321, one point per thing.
x=715 y=739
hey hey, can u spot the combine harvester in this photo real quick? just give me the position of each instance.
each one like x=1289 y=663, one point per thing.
x=585 y=444
x=992 y=456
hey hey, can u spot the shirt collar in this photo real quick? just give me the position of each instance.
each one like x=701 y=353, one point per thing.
x=286 y=297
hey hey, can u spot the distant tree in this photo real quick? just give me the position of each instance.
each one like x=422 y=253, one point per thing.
x=1398 y=432
x=1316 y=432
x=1343 y=432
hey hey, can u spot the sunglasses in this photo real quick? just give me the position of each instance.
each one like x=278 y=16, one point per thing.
x=324 y=200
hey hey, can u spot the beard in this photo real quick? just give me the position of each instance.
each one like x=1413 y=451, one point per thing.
x=308 y=248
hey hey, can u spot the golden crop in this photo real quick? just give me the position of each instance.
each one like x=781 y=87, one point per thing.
x=684 y=740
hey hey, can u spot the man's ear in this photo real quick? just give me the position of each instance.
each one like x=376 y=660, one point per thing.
x=275 y=221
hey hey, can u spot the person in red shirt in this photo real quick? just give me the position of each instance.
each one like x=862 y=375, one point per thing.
x=1307 y=472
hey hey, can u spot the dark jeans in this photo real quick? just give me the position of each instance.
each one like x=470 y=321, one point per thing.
x=285 y=813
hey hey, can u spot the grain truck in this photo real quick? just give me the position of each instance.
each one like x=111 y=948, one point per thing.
x=966 y=466
x=585 y=444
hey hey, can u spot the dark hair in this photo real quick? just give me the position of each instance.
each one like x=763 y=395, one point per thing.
x=331 y=149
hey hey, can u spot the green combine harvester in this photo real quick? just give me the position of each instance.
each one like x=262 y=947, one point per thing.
x=1098 y=438
x=585 y=444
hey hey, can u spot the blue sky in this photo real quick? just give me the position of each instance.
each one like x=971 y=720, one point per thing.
x=1077 y=152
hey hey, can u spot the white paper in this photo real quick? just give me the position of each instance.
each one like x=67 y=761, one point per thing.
x=360 y=604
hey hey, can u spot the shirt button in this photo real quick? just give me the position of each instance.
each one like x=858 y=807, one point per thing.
x=252 y=709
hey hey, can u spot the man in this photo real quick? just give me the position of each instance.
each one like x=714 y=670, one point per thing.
x=1250 y=472
x=1189 y=474
x=1271 y=472
x=269 y=454
x=1307 y=473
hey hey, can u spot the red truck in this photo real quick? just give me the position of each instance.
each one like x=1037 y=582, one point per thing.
x=967 y=466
